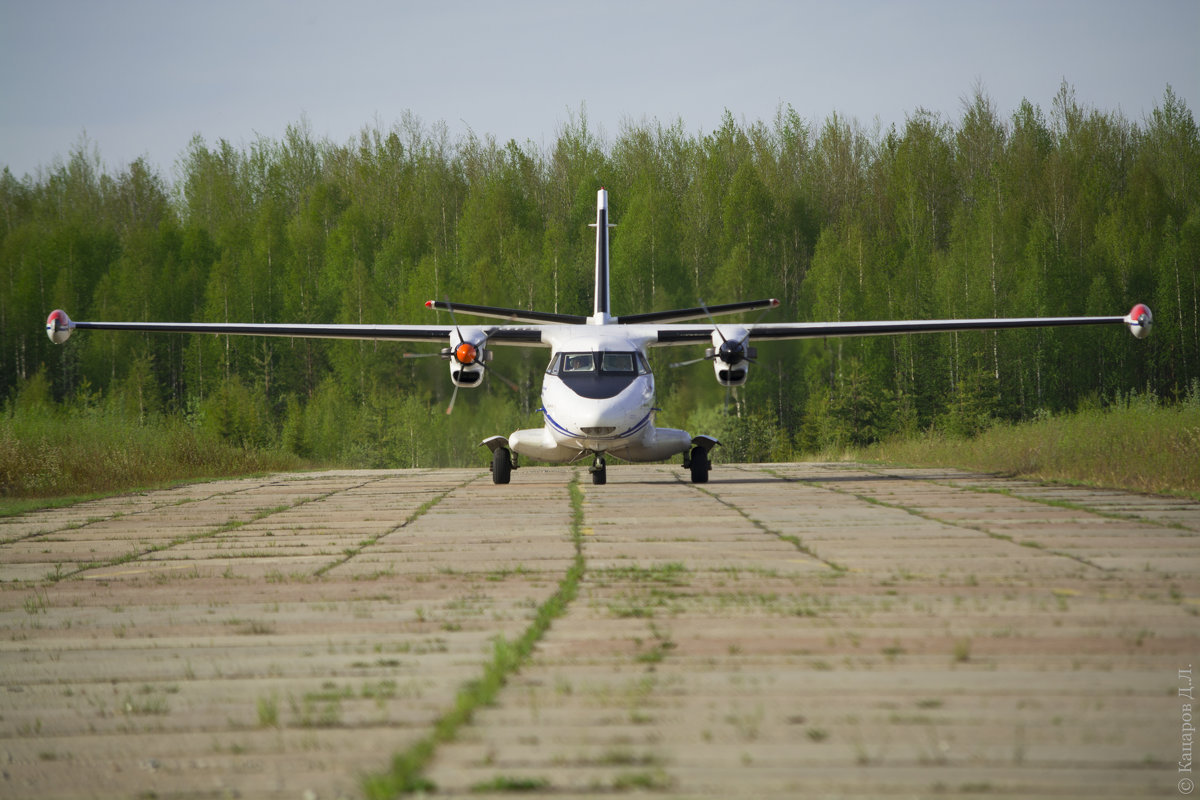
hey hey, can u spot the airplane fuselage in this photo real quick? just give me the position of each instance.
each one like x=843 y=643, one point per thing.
x=598 y=398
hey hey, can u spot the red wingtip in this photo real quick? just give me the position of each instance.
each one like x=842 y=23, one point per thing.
x=429 y=304
x=1140 y=321
x=774 y=302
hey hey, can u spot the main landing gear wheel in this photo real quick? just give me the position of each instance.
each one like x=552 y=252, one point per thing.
x=501 y=465
x=599 y=472
x=700 y=465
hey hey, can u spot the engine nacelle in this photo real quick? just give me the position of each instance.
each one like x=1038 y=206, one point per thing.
x=466 y=376
x=730 y=355
x=730 y=374
x=467 y=355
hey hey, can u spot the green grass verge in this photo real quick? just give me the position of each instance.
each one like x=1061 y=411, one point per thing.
x=1141 y=446
x=407 y=773
x=44 y=454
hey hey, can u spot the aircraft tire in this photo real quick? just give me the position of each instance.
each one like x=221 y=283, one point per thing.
x=600 y=475
x=501 y=465
x=700 y=465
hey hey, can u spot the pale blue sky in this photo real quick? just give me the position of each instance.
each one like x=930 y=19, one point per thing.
x=141 y=77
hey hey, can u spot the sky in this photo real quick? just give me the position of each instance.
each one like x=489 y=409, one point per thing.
x=141 y=78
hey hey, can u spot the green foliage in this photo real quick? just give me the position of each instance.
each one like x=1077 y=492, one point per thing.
x=1134 y=442
x=48 y=451
x=972 y=407
x=1070 y=210
x=237 y=415
x=750 y=437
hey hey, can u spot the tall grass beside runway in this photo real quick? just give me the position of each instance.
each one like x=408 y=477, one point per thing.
x=58 y=451
x=1138 y=445
x=51 y=452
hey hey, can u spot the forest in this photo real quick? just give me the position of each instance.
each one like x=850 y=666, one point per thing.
x=1069 y=210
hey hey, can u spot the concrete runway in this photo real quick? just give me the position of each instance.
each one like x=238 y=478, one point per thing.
x=786 y=630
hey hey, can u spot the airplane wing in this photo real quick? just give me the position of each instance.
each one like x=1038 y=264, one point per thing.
x=1138 y=320
x=59 y=327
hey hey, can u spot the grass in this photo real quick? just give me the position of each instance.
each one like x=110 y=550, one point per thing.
x=268 y=711
x=1139 y=446
x=506 y=783
x=408 y=767
x=51 y=456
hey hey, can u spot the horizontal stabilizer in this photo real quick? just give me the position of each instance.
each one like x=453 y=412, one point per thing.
x=511 y=314
x=701 y=312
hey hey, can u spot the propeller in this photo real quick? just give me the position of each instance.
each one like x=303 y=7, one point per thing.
x=467 y=354
x=731 y=351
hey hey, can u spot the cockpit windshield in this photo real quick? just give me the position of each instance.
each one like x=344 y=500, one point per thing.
x=617 y=362
x=577 y=363
x=608 y=363
x=599 y=373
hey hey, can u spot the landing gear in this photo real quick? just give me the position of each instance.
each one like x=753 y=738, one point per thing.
x=699 y=464
x=599 y=472
x=502 y=465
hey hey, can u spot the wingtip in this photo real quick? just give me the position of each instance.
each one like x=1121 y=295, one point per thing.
x=59 y=326
x=1139 y=320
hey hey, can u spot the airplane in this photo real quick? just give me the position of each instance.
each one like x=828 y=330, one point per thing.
x=598 y=391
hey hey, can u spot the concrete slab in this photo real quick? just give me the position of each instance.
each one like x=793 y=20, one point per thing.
x=785 y=630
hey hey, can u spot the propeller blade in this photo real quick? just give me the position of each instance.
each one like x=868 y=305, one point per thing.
x=509 y=383
x=453 y=397
x=453 y=319
x=688 y=363
x=712 y=320
x=421 y=355
x=757 y=320
x=731 y=352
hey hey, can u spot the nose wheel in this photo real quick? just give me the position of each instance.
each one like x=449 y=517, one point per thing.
x=599 y=472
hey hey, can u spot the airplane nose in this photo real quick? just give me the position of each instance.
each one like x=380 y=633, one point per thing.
x=599 y=419
x=593 y=416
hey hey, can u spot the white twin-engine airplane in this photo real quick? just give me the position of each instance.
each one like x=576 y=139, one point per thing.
x=598 y=393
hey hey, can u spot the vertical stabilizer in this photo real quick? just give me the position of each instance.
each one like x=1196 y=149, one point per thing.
x=601 y=311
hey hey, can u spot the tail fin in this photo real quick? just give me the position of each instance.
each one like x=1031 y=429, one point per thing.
x=601 y=309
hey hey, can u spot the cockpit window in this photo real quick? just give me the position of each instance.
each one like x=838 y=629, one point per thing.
x=576 y=363
x=610 y=363
x=617 y=362
x=600 y=373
